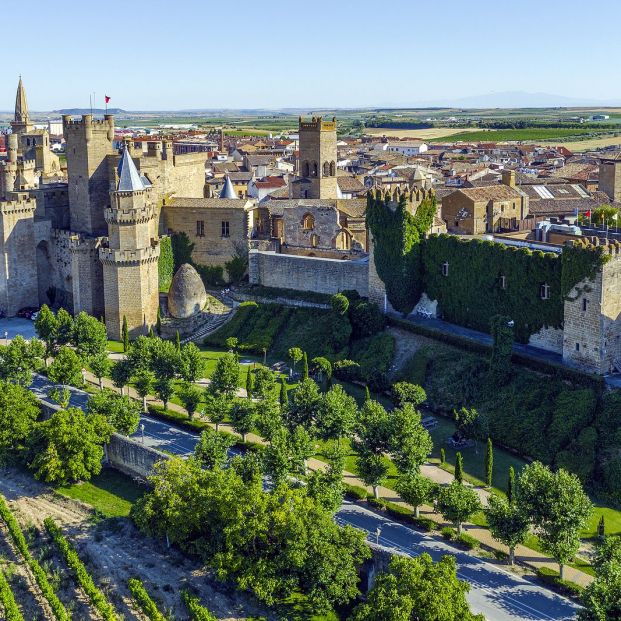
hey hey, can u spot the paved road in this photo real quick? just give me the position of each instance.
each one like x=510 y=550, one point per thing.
x=495 y=592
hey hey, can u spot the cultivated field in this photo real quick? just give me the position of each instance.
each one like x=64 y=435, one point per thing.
x=592 y=143
x=420 y=134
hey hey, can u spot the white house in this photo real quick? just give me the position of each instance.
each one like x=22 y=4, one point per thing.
x=413 y=147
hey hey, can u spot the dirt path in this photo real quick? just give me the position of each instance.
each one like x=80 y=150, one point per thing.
x=114 y=551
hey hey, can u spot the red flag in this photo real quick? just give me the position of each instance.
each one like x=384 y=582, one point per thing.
x=587 y=213
x=107 y=98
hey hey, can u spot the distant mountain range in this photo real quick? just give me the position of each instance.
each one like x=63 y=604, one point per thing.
x=90 y=111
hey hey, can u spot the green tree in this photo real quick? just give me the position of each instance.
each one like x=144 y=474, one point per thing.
x=68 y=446
x=125 y=335
x=144 y=383
x=66 y=368
x=46 y=327
x=295 y=354
x=340 y=304
x=100 y=366
x=558 y=508
x=511 y=496
x=602 y=598
x=303 y=405
x=507 y=523
x=415 y=489
x=601 y=528
x=61 y=396
x=165 y=359
x=192 y=366
x=225 y=378
x=304 y=366
x=64 y=328
x=373 y=428
x=249 y=383
x=212 y=449
x=121 y=412
x=121 y=373
x=405 y=392
x=264 y=383
x=322 y=368
x=410 y=442
x=372 y=469
x=277 y=459
x=459 y=467
x=89 y=336
x=367 y=393
x=269 y=418
x=458 y=503
x=243 y=417
x=164 y=389
x=19 y=411
x=283 y=397
x=489 y=463
x=336 y=414
x=417 y=589
x=231 y=343
x=325 y=485
x=217 y=408
x=140 y=354
x=19 y=359
x=190 y=395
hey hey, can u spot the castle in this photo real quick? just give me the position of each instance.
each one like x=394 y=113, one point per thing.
x=90 y=243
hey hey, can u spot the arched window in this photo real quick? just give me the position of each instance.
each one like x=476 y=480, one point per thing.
x=343 y=241
x=308 y=222
x=332 y=169
x=315 y=170
x=305 y=170
x=326 y=169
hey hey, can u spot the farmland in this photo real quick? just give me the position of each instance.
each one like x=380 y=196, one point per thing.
x=506 y=135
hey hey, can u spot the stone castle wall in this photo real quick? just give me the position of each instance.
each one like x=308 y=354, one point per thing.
x=132 y=457
x=550 y=339
x=307 y=273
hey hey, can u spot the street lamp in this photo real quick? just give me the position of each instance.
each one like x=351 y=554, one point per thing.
x=378 y=532
x=142 y=431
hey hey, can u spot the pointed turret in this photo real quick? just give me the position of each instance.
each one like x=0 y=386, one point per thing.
x=129 y=177
x=228 y=191
x=21 y=105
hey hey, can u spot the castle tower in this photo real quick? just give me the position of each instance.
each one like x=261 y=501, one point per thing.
x=21 y=122
x=88 y=143
x=130 y=275
x=610 y=178
x=317 y=165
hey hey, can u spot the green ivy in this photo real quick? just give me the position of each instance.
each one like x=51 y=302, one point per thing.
x=580 y=263
x=396 y=237
x=165 y=264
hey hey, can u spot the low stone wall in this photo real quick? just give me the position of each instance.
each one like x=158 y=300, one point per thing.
x=131 y=456
x=308 y=273
x=238 y=296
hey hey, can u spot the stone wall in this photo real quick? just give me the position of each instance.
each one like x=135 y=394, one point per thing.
x=307 y=273
x=550 y=339
x=131 y=456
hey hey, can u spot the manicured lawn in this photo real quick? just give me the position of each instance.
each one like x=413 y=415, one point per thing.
x=111 y=493
x=115 y=346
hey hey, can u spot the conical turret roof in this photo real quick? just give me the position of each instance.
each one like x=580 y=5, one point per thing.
x=21 y=105
x=129 y=177
x=228 y=191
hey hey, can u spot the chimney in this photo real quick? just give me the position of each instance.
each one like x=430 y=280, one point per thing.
x=508 y=178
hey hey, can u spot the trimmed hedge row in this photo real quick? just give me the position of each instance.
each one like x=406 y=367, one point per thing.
x=60 y=612
x=7 y=601
x=84 y=578
x=142 y=598
x=552 y=578
x=197 y=612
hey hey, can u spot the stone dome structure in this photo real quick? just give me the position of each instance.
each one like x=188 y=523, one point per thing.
x=187 y=295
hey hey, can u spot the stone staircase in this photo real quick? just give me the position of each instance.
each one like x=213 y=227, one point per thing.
x=221 y=310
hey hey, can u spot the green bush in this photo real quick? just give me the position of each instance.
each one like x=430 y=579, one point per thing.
x=424 y=523
x=7 y=601
x=448 y=533
x=355 y=492
x=84 y=578
x=261 y=291
x=415 y=368
x=552 y=578
x=366 y=318
x=374 y=354
x=165 y=264
x=212 y=275
x=60 y=612
x=144 y=601
x=347 y=371
x=196 y=611
x=467 y=541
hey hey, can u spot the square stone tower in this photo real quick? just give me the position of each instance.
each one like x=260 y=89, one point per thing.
x=610 y=178
x=317 y=159
x=130 y=274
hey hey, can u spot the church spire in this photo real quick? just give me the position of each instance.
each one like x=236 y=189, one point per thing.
x=21 y=105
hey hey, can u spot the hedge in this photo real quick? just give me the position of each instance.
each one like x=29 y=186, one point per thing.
x=552 y=578
x=142 y=598
x=7 y=601
x=262 y=291
x=355 y=492
x=60 y=612
x=98 y=599
x=196 y=611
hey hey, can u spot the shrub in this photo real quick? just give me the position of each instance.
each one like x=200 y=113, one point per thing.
x=212 y=275
x=448 y=533
x=60 y=612
x=165 y=264
x=467 y=541
x=366 y=318
x=552 y=578
x=7 y=601
x=424 y=523
x=85 y=580
x=347 y=370
x=415 y=368
x=374 y=354
x=355 y=492
x=147 y=605
x=197 y=612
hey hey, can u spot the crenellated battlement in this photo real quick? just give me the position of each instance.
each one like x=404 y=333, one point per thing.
x=27 y=205
x=130 y=257
x=317 y=124
x=141 y=215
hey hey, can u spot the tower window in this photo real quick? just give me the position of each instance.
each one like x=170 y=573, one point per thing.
x=577 y=346
x=326 y=169
x=445 y=268
x=200 y=228
x=308 y=222
x=544 y=292
x=585 y=304
x=315 y=170
x=225 y=228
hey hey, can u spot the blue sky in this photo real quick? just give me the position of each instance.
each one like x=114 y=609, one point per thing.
x=180 y=54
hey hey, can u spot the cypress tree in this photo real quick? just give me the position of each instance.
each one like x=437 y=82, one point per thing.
x=249 y=383
x=178 y=340
x=284 y=396
x=125 y=335
x=305 y=366
x=367 y=393
x=511 y=485
x=601 y=528
x=489 y=463
x=459 y=468
x=151 y=333
x=158 y=322
x=442 y=456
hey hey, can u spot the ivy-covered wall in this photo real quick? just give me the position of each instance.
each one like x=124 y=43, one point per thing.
x=165 y=264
